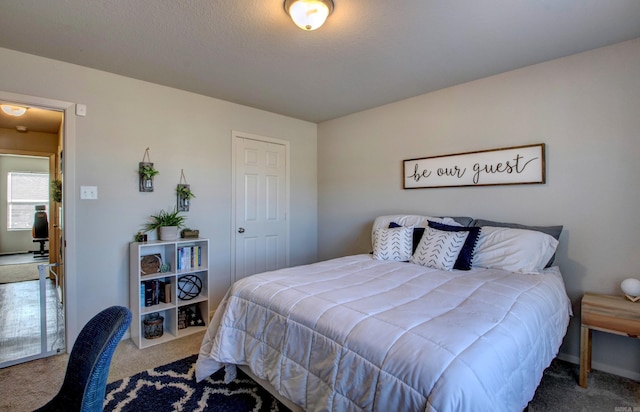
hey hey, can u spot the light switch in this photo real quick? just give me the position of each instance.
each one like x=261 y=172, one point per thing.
x=89 y=192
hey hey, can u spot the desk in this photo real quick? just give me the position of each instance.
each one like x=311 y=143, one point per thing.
x=606 y=313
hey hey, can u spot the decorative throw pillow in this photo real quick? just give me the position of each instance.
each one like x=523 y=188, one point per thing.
x=515 y=250
x=439 y=249
x=393 y=244
x=417 y=235
x=466 y=253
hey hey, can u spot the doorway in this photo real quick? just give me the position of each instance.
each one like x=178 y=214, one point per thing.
x=32 y=319
x=260 y=227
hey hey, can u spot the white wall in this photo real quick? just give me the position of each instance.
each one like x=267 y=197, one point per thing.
x=584 y=107
x=184 y=131
x=16 y=241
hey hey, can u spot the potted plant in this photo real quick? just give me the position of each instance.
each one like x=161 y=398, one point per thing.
x=146 y=172
x=167 y=223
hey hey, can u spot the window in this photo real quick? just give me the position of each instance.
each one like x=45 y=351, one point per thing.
x=25 y=190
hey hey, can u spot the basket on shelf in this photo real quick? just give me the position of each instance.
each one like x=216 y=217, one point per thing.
x=153 y=326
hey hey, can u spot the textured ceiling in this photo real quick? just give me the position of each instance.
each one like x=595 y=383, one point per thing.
x=369 y=53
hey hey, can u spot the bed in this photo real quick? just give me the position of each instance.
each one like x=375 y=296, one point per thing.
x=389 y=331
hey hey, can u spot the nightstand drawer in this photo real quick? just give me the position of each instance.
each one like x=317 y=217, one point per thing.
x=611 y=313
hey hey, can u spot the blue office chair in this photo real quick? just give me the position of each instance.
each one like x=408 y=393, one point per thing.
x=85 y=381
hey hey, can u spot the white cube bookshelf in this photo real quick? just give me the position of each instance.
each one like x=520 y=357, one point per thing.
x=169 y=263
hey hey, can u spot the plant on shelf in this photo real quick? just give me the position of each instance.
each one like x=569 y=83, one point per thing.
x=164 y=218
x=167 y=224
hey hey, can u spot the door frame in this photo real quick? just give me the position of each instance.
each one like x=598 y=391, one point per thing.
x=235 y=135
x=69 y=210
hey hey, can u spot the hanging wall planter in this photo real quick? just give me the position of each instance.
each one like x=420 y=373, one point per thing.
x=184 y=194
x=146 y=172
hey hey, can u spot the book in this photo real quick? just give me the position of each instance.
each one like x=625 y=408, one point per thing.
x=187 y=258
x=148 y=293
x=184 y=258
x=156 y=291
x=197 y=256
x=165 y=292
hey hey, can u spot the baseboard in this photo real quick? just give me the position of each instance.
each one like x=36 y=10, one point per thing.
x=625 y=373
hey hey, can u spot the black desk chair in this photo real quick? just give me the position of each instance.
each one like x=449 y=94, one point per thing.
x=40 y=231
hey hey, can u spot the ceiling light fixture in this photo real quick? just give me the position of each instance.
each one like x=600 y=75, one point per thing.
x=308 y=14
x=12 y=110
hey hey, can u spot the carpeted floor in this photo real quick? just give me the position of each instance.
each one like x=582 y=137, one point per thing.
x=31 y=384
x=172 y=387
x=559 y=391
x=19 y=272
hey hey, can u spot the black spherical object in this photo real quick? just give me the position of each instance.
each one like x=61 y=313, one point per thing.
x=189 y=287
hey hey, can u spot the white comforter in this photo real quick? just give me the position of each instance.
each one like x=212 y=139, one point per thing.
x=356 y=333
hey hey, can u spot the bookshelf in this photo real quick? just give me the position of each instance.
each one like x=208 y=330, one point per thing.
x=168 y=280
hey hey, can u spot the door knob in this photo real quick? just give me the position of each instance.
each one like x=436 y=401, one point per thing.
x=241 y=230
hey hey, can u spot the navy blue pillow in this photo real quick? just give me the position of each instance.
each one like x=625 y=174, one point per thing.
x=466 y=253
x=417 y=234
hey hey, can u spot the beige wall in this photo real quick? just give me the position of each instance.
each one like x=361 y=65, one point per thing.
x=584 y=107
x=14 y=141
x=184 y=131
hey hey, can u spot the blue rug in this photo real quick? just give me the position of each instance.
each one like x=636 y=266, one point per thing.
x=173 y=387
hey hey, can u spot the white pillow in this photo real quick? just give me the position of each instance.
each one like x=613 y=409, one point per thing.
x=515 y=250
x=439 y=249
x=394 y=244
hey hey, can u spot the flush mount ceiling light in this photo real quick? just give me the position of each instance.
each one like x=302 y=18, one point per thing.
x=12 y=110
x=308 y=14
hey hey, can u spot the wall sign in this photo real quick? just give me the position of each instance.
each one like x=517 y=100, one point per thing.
x=508 y=166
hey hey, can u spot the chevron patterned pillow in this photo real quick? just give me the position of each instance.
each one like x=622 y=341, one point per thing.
x=439 y=249
x=394 y=244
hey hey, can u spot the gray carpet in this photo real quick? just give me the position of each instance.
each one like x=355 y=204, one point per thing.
x=33 y=383
x=559 y=391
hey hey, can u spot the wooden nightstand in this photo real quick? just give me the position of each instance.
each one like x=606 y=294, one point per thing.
x=606 y=313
